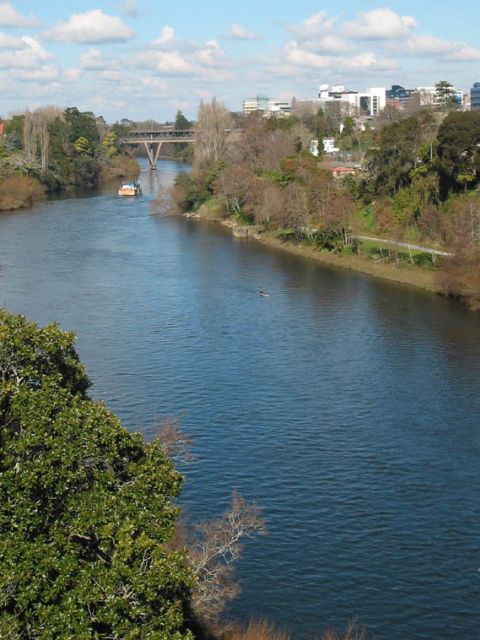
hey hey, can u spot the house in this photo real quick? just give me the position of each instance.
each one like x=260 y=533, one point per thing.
x=329 y=146
x=340 y=172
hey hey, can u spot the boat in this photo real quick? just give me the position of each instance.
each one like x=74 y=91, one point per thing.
x=263 y=293
x=130 y=189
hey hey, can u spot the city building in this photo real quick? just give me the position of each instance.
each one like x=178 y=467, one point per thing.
x=399 y=96
x=475 y=97
x=353 y=103
x=269 y=106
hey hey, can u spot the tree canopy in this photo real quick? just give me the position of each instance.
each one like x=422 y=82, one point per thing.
x=86 y=508
x=458 y=151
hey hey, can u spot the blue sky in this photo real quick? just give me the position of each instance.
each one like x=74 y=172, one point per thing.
x=147 y=58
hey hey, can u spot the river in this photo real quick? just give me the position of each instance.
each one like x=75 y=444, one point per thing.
x=348 y=407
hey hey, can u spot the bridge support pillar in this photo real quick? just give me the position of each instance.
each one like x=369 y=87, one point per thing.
x=153 y=152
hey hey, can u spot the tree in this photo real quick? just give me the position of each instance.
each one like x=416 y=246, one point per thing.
x=218 y=544
x=445 y=97
x=86 y=508
x=396 y=155
x=232 y=185
x=181 y=122
x=458 y=152
x=211 y=142
x=82 y=124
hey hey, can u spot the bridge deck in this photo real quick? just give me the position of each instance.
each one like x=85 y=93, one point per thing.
x=169 y=135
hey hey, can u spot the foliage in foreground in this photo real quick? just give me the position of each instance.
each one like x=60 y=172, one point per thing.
x=86 y=508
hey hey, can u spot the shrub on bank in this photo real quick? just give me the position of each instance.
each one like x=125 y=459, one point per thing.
x=121 y=166
x=17 y=192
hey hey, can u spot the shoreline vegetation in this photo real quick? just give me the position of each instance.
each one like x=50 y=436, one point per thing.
x=50 y=150
x=398 y=272
x=412 y=177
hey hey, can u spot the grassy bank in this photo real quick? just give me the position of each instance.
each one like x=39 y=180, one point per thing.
x=400 y=272
x=387 y=270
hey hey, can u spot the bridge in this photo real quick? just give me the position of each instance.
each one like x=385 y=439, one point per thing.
x=153 y=141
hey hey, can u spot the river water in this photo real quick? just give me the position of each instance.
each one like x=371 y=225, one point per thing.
x=346 y=406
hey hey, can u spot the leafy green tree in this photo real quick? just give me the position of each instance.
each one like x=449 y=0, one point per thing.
x=14 y=132
x=445 y=97
x=86 y=508
x=181 y=122
x=82 y=124
x=390 y=163
x=458 y=152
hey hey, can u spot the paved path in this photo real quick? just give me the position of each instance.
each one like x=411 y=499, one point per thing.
x=406 y=245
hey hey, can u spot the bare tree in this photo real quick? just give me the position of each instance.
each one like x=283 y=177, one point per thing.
x=36 y=134
x=211 y=141
x=270 y=207
x=218 y=545
x=232 y=185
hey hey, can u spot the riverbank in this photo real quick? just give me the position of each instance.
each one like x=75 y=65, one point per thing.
x=401 y=273
x=23 y=192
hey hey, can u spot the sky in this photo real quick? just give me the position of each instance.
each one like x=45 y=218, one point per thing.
x=144 y=59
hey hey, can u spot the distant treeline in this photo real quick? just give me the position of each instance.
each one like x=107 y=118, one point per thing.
x=50 y=149
x=416 y=180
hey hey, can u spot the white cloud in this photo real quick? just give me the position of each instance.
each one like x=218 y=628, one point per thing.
x=419 y=45
x=72 y=74
x=296 y=56
x=29 y=56
x=167 y=35
x=211 y=54
x=160 y=86
x=9 y=17
x=239 y=32
x=302 y=58
x=313 y=26
x=91 y=27
x=94 y=60
x=130 y=8
x=10 y=42
x=464 y=53
x=428 y=45
x=330 y=43
x=168 y=62
x=379 y=24
x=42 y=74
x=367 y=61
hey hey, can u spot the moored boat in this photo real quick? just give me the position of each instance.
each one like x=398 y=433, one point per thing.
x=130 y=189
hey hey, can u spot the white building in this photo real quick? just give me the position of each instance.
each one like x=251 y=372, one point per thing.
x=269 y=106
x=354 y=103
x=329 y=146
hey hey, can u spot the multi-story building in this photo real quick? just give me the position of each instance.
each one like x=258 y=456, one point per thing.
x=475 y=97
x=354 y=103
x=269 y=106
x=399 y=95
